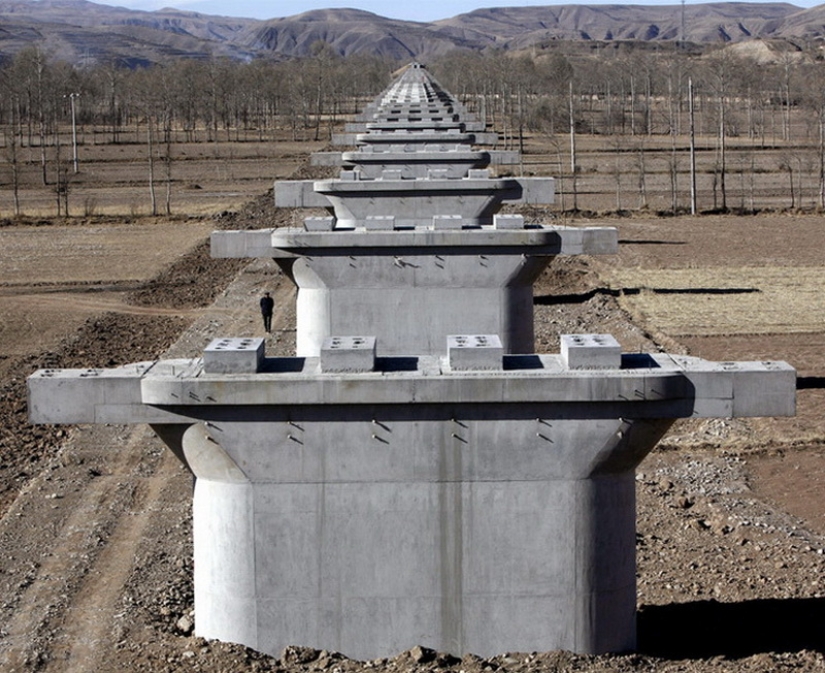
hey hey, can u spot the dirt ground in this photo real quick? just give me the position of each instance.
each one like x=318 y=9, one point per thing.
x=113 y=178
x=95 y=534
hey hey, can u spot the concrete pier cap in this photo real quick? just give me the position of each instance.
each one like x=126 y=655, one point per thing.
x=416 y=474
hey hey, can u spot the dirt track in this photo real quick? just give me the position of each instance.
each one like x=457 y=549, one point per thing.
x=95 y=557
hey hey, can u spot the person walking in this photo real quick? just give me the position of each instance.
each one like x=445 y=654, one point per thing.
x=267 y=304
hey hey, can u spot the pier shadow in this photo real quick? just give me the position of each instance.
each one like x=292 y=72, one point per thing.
x=642 y=241
x=581 y=297
x=706 y=629
x=810 y=382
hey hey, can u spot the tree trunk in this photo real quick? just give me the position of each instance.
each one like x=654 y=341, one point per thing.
x=167 y=161
x=722 y=153
x=151 y=167
x=573 y=168
x=822 y=158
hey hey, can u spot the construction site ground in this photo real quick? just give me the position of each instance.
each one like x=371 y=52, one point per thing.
x=95 y=521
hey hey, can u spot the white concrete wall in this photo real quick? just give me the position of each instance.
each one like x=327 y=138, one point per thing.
x=467 y=530
x=412 y=302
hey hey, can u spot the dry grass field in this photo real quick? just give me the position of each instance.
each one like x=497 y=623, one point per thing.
x=735 y=288
x=53 y=278
x=95 y=569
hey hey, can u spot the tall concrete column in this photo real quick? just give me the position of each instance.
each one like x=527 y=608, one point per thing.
x=373 y=536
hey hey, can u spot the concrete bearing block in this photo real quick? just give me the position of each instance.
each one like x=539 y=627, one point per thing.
x=442 y=222
x=501 y=221
x=234 y=356
x=379 y=223
x=319 y=223
x=473 y=352
x=348 y=354
x=590 y=351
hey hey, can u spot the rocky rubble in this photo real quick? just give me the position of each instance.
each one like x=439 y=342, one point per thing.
x=726 y=580
x=710 y=553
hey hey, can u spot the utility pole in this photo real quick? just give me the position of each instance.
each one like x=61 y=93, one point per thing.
x=692 y=148
x=573 y=170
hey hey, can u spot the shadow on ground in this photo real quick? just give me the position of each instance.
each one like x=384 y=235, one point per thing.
x=581 y=297
x=641 y=241
x=707 y=629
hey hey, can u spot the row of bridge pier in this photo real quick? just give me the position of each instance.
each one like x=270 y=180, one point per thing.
x=416 y=474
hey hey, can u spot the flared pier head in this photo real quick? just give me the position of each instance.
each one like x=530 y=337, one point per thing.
x=416 y=474
x=416 y=286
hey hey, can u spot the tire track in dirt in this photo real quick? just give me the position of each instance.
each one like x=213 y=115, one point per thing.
x=107 y=304
x=93 y=509
x=88 y=623
x=66 y=615
x=69 y=287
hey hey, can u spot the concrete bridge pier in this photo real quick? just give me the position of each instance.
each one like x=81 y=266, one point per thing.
x=417 y=286
x=295 y=545
x=474 y=502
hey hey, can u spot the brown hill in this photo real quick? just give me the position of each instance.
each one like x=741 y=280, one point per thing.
x=515 y=27
x=351 y=31
x=83 y=32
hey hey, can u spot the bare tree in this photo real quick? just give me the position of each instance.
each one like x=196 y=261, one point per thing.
x=721 y=69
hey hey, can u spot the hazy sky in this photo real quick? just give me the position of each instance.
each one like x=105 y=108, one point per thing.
x=413 y=10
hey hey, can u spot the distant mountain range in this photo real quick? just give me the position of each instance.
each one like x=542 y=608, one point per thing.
x=87 y=33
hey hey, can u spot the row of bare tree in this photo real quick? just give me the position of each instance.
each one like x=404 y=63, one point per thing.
x=772 y=97
x=756 y=98
x=201 y=98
